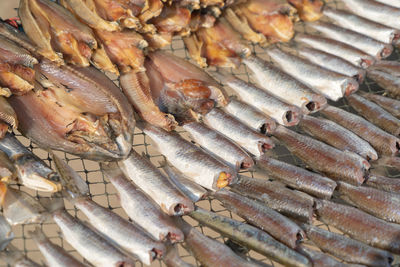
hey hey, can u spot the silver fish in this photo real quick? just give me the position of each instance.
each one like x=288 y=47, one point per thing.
x=54 y=255
x=390 y=83
x=368 y=45
x=219 y=145
x=344 y=51
x=390 y=3
x=153 y=183
x=361 y=25
x=389 y=104
x=328 y=83
x=332 y=63
x=250 y=116
x=390 y=67
x=384 y=183
x=140 y=208
x=189 y=159
x=246 y=137
x=6 y=233
x=15 y=258
x=337 y=136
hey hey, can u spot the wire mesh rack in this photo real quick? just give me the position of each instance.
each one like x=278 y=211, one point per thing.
x=102 y=192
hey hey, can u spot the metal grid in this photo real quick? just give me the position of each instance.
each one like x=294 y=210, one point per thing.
x=102 y=192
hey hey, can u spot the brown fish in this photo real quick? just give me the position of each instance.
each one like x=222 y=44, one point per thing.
x=384 y=183
x=390 y=83
x=389 y=104
x=390 y=67
x=392 y=162
x=320 y=259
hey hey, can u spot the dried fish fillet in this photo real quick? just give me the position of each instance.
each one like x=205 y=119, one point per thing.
x=309 y=10
x=390 y=83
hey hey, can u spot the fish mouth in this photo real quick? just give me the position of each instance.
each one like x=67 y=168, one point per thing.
x=155 y=254
x=395 y=37
x=174 y=237
x=180 y=209
x=366 y=62
x=386 y=51
x=246 y=164
x=351 y=87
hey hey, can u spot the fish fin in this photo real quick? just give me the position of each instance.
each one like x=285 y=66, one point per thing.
x=52 y=204
x=37 y=234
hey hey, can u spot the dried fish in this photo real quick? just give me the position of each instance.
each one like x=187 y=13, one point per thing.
x=6 y=233
x=383 y=183
x=346 y=248
x=140 y=208
x=390 y=83
x=219 y=145
x=296 y=177
x=320 y=259
x=337 y=136
x=390 y=3
x=309 y=10
x=263 y=217
x=328 y=83
x=390 y=67
x=381 y=141
x=13 y=257
x=12 y=53
x=392 y=162
x=189 y=159
x=389 y=104
x=172 y=259
x=344 y=51
x=251 y=237
x=7 y=169
x=339 y=165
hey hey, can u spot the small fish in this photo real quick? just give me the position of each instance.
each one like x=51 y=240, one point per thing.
x=320 y=259
x=252 y=141
x=389 y=104
x=275 y=196
x=332 y=63
x=344 y=51
x=6 y=233
x=283 y=86
x=381 y=141
x=370 y=46
x=375 y=114
x=336 y=164
x=383 y=183
x=390 y=3
x=390 y=83
x=359 y=225
x=337 y=136
x=346 y=248
x=390 y=67
x=54 y=255
x=219 y=145
x=361 y=25
x=140 y=208
x=268 y=220
x=328 y=83
x=296 y=177
x=251 y=237
x=250 y=116
x=15 y=258
x=172 y=259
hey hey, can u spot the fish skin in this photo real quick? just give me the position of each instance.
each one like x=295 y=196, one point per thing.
x=93 y=247
x=219 y=145
x=251 y=237
x=370 y=46
x=241 y=134
x=332 y=63
x=309 y=10
x=328 y=83
x=389 y=3
x=339 y=165
x=344 y=51
x=298 y=178
x=390 y=67
x=275 y=196
x=320 y=259
x=361 y=25
x=54 y=255
x=375 y=114
x=172 y=259
x=348 y=249
x=337 y=136
x=389 y=104
x=359 y=225
x=381 y=141
x=387 y=184
x=250 y=116
x=141 y=209
x=14 y=54
x=267 y=219
x=189 y=159
x=7 y=114
x=156 y=185
x=392 y=162
x=6 y=233
x=390 y=83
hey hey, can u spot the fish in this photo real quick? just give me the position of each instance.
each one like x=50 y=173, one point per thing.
x=330 y=84
x=267 y=219
x=54 y=255
x=14 y=257
x=252 y=141
x=189 y=188
x=296 y=177
x=383 y=183
x=15 y=54
x=172 y=259
x=375 y=11
x=370 y=46
x=337 y=136
x=359 y=225
x=250 y=116
x=390 y=3
x=250 y=237
x=190 y=160
x=210 y=252
x=275 y=196
x=283 y=86
x=309 y=10
x=140 y=208
x=392 y=162
x=153 y=183
x=346 y=248
x=339 y=49
x=362 y=25
x=8 y=117
x=220 y=146
x=390 y=67
x=336 y=164
x=332 y=63
x=375 y=114
x=320 y=259
x=383 y=142
x=388 y=82
x=281 y=112
x=6 y=233
x=389 y=104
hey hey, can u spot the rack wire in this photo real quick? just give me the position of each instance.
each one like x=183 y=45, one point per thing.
x=102 y=192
